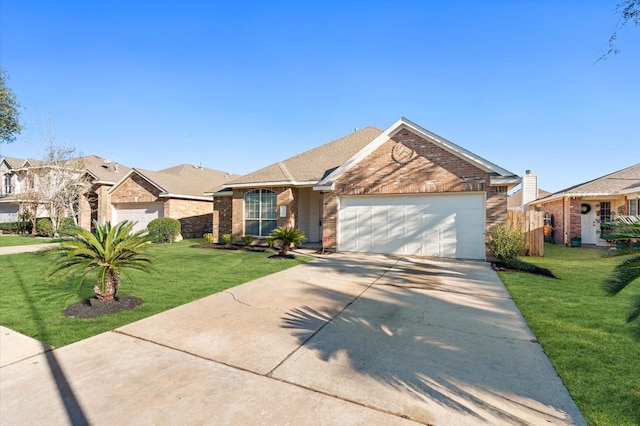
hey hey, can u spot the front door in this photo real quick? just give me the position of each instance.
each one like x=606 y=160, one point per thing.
x=589 y=224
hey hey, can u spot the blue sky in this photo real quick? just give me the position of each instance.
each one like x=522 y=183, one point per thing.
x=236 y=86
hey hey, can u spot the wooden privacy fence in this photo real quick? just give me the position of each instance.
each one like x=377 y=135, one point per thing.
x=532 y=224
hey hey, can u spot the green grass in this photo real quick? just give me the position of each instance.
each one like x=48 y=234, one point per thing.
x=32 y=305
x=17 y=240
x=583 y=331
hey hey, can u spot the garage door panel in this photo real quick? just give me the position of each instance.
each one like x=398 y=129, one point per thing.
x=435 y=225
x=141 y=214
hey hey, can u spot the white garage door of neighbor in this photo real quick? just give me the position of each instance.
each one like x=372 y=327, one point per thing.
x=9 y=213
x=140 y=213
x=431 y=225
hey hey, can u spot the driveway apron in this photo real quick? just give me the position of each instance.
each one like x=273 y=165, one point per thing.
x=345 y=339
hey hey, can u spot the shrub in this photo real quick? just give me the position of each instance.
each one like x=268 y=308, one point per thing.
x=287 y=236
x=164 y=229
x=44 y=227
x=66 y=223
x=16 y=227
x=208 y=237
x=271 y=242
x=506 y=242
x=248 y=239
x=228 y=239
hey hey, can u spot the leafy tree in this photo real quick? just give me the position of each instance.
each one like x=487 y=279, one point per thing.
x=106 y=253
x=629 y=11
x=625 y=228
x=9 y=112
x=287 y=236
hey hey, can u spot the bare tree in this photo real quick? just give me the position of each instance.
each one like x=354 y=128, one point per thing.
x=629 y=10
x=54 y=185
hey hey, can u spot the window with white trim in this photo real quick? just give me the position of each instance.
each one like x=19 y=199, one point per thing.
x=260 y=215
x=634 y=207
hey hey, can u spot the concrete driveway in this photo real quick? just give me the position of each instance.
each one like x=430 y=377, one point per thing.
x=345 y=339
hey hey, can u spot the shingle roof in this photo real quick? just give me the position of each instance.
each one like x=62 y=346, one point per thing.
x=102 y=169
x=186 y=179
x=312 y=165
x=621 y=182
x=515 y=199
x=14 y=163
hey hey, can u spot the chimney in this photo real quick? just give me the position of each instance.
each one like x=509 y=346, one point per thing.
x=529 y=189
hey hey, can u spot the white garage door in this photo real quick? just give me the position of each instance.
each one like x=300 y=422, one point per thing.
x=447 y=225
x=140 y=213
x=9 y=213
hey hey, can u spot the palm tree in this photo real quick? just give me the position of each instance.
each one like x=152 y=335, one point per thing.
x=287 y=236
x=105 y=253
x=625 y=228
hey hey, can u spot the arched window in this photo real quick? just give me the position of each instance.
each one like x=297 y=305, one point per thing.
x=259 y=212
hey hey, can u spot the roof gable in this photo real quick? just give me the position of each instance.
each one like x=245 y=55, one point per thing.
x=182 y=181
x=443 y=143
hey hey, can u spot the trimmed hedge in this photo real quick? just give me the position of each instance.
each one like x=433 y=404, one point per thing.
x=164 y=229
x=16 y=227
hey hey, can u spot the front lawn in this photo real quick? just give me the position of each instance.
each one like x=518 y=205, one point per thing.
x=33 y=306
x=583 y=331
x=18 y=240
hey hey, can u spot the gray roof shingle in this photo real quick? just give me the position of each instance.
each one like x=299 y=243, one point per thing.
x=312 y=165
x=187 y=180
x=621 y=182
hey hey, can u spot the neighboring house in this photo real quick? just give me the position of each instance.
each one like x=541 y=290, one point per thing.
x=12 y=185
x=581 y=210
x=522 y=198
x=177 y=192
x=95 y=203
x=23 y=180
x=403 y=190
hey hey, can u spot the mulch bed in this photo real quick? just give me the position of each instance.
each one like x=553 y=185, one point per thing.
x=91 y=308
x=500 y=266
x=231 y=247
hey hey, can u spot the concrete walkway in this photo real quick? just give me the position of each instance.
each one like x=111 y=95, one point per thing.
x=25 y=249
x=345 y=339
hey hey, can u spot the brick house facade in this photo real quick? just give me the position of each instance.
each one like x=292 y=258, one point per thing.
x=178 y=193
x=584 y=209
x=404 y=162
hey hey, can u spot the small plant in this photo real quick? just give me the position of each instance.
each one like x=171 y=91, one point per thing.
x=164 y=229
x=506 y=242
x=287 y=236
x=105 y=254
x=248 y=240
x=271 y=242
x=208 y=237
x=228 y=239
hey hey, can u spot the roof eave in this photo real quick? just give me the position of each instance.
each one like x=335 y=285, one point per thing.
x=185 y=196
x=270 y=184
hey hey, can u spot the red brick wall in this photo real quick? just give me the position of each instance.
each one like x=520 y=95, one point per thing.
x=222 y=217
x=556 y=208
x=95 y=204
x=135 y=190
x=575 y=218
x=194 y=215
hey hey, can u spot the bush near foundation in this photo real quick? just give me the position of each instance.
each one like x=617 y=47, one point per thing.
x=506 y=242
x=164 y=229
